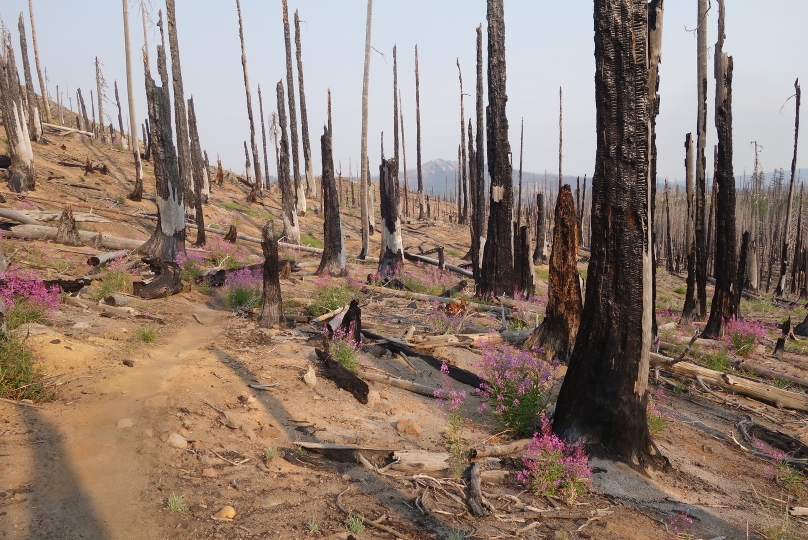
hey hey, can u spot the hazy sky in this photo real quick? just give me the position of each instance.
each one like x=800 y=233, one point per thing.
x=549 y=44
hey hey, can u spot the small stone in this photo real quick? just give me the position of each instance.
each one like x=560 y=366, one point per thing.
x=19 y=497
x=147 y=433
x=178 y=441
x=209 y=473
x=346 y=477
x=374 y=398
x=310 y=378
x=184 y=432
x=124 y=423
x=228 y=512
x=408 y=427
x=187 y=424
x=130 y=363
x=270 y=432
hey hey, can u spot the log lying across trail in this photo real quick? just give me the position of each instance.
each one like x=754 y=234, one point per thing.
x=441 y=299
x=43 y=232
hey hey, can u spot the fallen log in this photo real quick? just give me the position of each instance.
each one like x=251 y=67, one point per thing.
x=167 y=282
x=344 y=378
x=68 y=285
x=66 y=130
x=743 y=365
x=101 y=258
x=43 y=232
x=429 y=298
x=410 y=386
x=413 y=257
x=18 y=217
x=420 y=462
x=49 y=215
x=378 y=457
x=796 y=452
x=102 y=308
x=474 y=498
x=498 y=450
x=117 y=300
x=398 y=346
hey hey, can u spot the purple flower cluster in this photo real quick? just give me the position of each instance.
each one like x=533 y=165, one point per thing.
x=681 y=525
x=453 y=403
x=19 y=286
x=441 y=322
x=554 y=467
x=517 y=386
x=744 y=335
x=245 y=278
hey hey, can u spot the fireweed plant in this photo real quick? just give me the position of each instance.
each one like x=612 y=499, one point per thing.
x=453 y=404
x=26 y=297
x=744 y=335
x=443 y=323
x=344 y=349
x=657 y=419
x=242 y=289
x=516 y=388
x=553 y=467
x=782 y=472
x=682 y=527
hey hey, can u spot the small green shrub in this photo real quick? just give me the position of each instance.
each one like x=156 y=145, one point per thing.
x=718 y=361
x=345 y=351
x=270 y=453
x=309 y=240
x=330 y=298
x=20 y=377
x=313 y=526
x=147 y=333
x=175 y=503
x=680 y=290
x=114 y=281
x=243 y=290
x=355 y=524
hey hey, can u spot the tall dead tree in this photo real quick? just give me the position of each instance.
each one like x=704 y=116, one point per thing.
x=34 y=121
x=473 y=193
x=563 y=316
x=100 y=84
x=464 y=181
x=560 y=137
x=496 y=276
x=668 y=240
x=271 y=300
x=168 y=239
x=395 y=132
x=43 y=89
x=23 y=173
x=404 y=157
x=134 y=143
x=392 y=252
x=311 y=181
x=85 y=121
x=701 y=161
x=123 y=142
x=521 y=156
x=180 y=114
x=198 y=164
x=263 y=136
x=334 y=260
x=690 y=244
x=290 y=87
x=538 y=252
x=604 y=397
x=781 y=285
x=726 y=267
x=421 y=203
x=291 y=227
x=479 y=207
x=364 y=179
x=259 y=182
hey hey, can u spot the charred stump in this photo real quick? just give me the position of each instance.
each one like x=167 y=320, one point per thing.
x=23 y=173
x=271 y=302
x=232 y=235
x=67 y=233
x=538 y=252
x=392 y=252
x=334 y=259
x=167 y=282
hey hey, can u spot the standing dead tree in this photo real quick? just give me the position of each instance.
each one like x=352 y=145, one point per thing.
x=464 y=190
x=168 y=239
x=122 y=138
x=404 y=157
x=538 y=253
x=690 y=244
x=725 y=254
x=198 y=164
x=258 y=185
x=291 y=227
x=559 y=328
x=364 y=180
x=421 y=203
x=100 y=85
x=22 y=172
x=478 y=208
x=392 y=252
x=263 y=136
x=34 y=121
x=781 y=285
x=311 y=181
x=134 y=143
x=271 y=301
x=604 y=397
x=43 y=88
x=290 y=87
x=334 y=259
x=560 y=137
x=496 y=276
x=701 y=162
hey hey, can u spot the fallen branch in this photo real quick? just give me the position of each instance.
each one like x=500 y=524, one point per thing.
x=102 y=308
x=497 y=450
x=410 y=386
x=18 y=217
x=43 y=232
x=412 y=257
x=428 y=298
x=66 y=130
x=344 y=378
x=771 y=373
x=101 y=258
x=375 y=524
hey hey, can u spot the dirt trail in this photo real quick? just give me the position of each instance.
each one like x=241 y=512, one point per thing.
x=85 y=477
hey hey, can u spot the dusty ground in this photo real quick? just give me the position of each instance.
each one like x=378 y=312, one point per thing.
x=71 y=469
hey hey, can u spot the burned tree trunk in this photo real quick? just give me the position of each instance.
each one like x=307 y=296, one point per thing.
x=291 y=228
x=168 y=239
x=85 y=122
x=404 y=157
x=559 y=328
x=690 y=245
x=100 y=84
x=725 y=255
x=497 y=267
x=134 y=143
x=395 y=135
x=479 y=209
x=290 y=87
x=392 y=252
x=263 y=137
x=67 y=233
x=474 y=254
x=198 y=173
x=42 y=87
x=23 y=173
x=741 y=277
x=524 y=271
x=421 y=203
x=271 y=302
x=521 y=156
x=604 y=396
x=311 y=181
x=34 y=121
x=668 y=241
x=701 y=162
x=784 y=256
x=364 y=178
x=334 y=259
x=538 y=252
x=464 y=184
x=259 y=182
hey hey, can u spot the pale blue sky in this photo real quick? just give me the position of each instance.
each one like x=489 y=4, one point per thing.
x=549 y=44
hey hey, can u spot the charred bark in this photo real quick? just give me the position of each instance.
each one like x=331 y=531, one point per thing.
x=290 y=87
x=67 y=233
x=259 y=179
x=34 y=121
x=479 y=201
x=334 y=259
x=167 y=282
x=538 y=252
x=271 y=302
x=291 y=228
x=524 y=270
x=701 y=162
x=392 y=252
x=311 y=183
x=784 y=257
x=198 y=173
x=23 y=172
x=421 y=203
x=736 y=299
x=690 y=245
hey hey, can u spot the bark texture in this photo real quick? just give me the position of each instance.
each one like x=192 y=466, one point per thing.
x=134 y=143
x=701 y=162
x=67 y=233
x=392 y=252
x=311 y=181
x=263 y=136
x=334 y=259
x=34 y=122
x=22 y=172
x=479 y=210
x=43 y=89
x=781 y=285
x=496 y=276
x=271 y=302
x=421 y=201
x=604 y=396
x=291 y=227
x=364 y=178
x=538 y=253
x=559 y=328
x=690 y=243
x=290 y=87
x=198 y=163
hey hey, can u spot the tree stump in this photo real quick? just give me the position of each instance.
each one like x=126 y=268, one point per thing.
x=67 y=233
x=271 y=302
x=334 y=259
x=392 y=252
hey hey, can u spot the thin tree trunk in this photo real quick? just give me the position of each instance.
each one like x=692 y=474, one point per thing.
x=701 y=228
x=271 y=301
x=290 y=87
x=85 y=120
x=263 y=137
x=259 y=182
x=538 y=252
x=364 y=181
x=497 y=267
x=23 y=172
x=690 y=245
x=784 y=255
x=404 y=157
x=395 y=135
x=168 y=239
x=740 y=277
x=725 y=255
x=42 y=87
x=797 y=246
x=521 y=155
x=392 y=251
x=123 y=142
x=560 y=137
x=464 y=187
x=291 y=228
x=604 y=396
x=421 y=204
x=479 y=207
x=34 y=121
x=144 y=18
x=334 y=259
x=311 y=181
x=198 y=164
x=253 y=196
x=668 y=241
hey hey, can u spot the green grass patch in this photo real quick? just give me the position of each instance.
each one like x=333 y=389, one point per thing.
x=453 y=253
x=345 y=352
x=20 y=377
x=330 y=298
x=174 y=503
x=244 y=297
x=718 y=361
x=309 y=240
x=25 y=311
x=543 y=274
x=147 y=333
x=114 y=281
x=680 y=290
x=247 y=211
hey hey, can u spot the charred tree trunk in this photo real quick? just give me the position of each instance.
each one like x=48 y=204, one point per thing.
x=497 y=267
x=797 y=246
x=784 y=256
x=168 y=239
x=134 y=143
x=259 y=179
x=464 y=186
x=392 y=252
x=690 y=245
x=271 y=301
x=395 y=134
x=668 y=241
x=42 y=87
x=604 y=396
x=34 y=121
x=524 y=271
x=701 y=163
x=198 y=164
x=538 y=252
x=311 y=181
x=290 y=87
x=479 y=208
x=725 y=254
x=404 y=157
x=334 y=259
x=559 y=328
x=291 y=228
x=521 y=155
x=22 y=171
x=421 y=204
x=67 y=233
x=560 y=138
x=741 y=277
x=123 y=142
x=474 y=252
x=263 y=137
x=85 y=122
x=364 y=178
